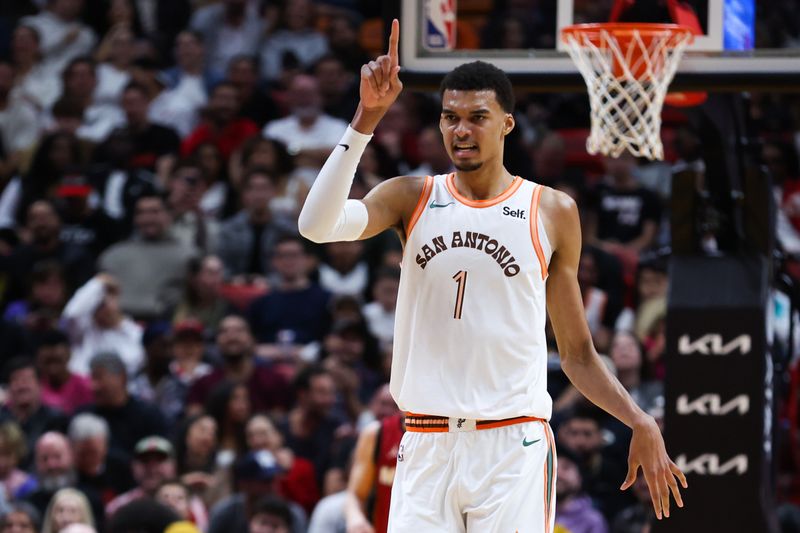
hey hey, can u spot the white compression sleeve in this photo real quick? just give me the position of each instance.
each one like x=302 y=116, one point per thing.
x=327 y=214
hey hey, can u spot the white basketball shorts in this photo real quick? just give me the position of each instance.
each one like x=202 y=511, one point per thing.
x=457 y=475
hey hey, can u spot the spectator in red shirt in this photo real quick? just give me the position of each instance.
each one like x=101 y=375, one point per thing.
x=268 y=389
x=222 y=126
x=61 y=388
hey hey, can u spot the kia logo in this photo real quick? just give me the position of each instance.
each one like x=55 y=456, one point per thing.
x=709 y=464
x=712 y=344
x=711 y=404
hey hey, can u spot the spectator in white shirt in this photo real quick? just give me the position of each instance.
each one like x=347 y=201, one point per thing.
x=114 y=57
x=166 y=107
x=297 y=34
x=19 y=122
x=229 y=28
x=99 y=119
x=379 y=313
x=344 y=271
x=189 y=76
x=63 y=35
x=35 y=83
x=308 y=133
x=96 y=324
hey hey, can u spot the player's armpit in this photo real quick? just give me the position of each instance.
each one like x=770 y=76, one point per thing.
x=391 y=204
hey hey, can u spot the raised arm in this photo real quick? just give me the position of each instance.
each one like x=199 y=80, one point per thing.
x=583 y=366
x=327 y=214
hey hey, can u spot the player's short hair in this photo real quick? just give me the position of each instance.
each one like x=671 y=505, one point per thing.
x=479 y=76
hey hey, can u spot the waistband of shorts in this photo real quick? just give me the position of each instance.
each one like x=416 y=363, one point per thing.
x=418 y=423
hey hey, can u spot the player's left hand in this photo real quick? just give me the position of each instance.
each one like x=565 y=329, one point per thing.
x=648 y=451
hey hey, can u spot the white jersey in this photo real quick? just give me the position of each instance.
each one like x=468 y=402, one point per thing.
x=470 y=322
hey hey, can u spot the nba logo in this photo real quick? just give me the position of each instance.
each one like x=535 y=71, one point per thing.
x=440 y=24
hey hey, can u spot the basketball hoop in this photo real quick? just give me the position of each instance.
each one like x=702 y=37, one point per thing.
x=627 y=68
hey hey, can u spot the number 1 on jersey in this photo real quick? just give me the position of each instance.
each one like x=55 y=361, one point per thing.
x=461 y=279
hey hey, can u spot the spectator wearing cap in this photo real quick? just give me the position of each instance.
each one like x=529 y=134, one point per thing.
x=85 y=223
x=176 y=365
x=63 y=35
x=129 y=419
x=247 y=238
x=268 y=389
x=61 y=389
x=255 y=477
x=153 y=464
x=154 y=145
x=44 y=227
x=187 y=365
x=149 y=382
x=24 y=404
x=295 y=312
x=106 y=472
x=151 y=265
x=202 y=298
x=96 y=323
x=222 y=125
x=55 y=470
x=229 y=29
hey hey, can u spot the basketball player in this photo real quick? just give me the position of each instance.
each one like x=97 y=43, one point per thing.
x=484 y=253
x=372 y=476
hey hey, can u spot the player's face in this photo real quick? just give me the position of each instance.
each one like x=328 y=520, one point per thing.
x=473 y=126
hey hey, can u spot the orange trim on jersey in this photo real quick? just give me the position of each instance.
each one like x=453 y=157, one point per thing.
x=505 y=195
x=440 y=424
x=534 y=214
x=420 y=207
x=550 y=478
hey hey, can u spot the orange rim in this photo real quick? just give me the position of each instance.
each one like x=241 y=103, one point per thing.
x=624 y=30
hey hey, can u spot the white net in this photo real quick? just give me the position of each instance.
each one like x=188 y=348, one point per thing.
x=627 y=71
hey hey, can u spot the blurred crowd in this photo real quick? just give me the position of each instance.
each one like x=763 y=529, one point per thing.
x=176 y=357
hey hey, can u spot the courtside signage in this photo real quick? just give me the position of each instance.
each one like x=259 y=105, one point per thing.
x=713 y=344
x=712 y=405
x=710 y=464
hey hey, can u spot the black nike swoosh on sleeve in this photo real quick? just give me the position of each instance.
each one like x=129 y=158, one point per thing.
x=346 y=147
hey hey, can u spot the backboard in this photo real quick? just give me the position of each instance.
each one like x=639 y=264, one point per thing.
x=740 y=48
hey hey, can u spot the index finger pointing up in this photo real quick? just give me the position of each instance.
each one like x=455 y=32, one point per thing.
x=394 y=38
